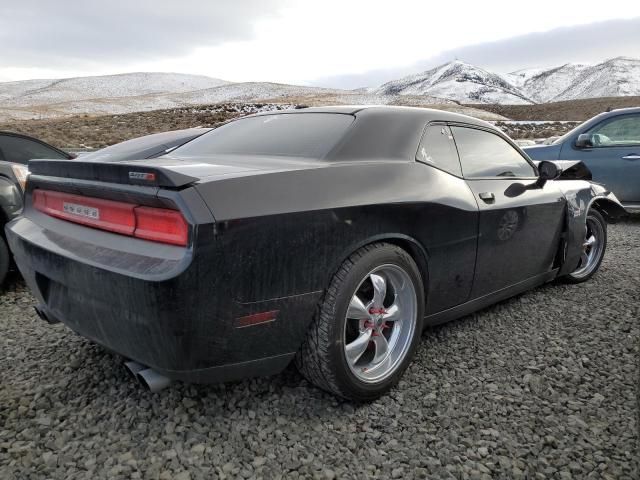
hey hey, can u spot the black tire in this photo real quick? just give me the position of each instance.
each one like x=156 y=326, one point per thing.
x=577 y=276
x=322 y=359
x=5 y=260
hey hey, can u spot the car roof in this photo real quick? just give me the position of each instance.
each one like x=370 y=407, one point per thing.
x=603 y=116
x=434 y=113
x=16 y=134
x=381 y=132
x=425 y=114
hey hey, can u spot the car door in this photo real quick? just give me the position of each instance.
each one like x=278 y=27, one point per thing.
x=19 y=149
x=519 y=229
x=614 y=157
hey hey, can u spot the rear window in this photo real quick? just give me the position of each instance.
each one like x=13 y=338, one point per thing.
x=309 y=135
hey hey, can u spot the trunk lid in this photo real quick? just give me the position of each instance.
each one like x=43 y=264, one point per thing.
x=168 y=172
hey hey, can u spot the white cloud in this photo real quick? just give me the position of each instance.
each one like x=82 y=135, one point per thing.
x=298 y=42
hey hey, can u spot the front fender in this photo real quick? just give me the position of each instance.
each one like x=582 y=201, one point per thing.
x=607 y=204
x=582 y=196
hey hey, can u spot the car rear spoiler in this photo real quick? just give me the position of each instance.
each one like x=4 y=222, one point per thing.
x=148 y=173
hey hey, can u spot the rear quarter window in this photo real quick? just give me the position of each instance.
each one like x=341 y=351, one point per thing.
x=438 y=148
x=308 y=135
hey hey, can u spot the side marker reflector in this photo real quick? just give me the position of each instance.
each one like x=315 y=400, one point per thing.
x=256 y=319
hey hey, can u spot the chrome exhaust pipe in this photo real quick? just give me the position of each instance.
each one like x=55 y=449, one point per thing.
x=152 y=380
x=133 y=368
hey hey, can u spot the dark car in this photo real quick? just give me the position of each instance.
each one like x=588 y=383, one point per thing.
x=609 y=144
x=15 y=152
x=149 y=146
x=19 y=149
x=329 y=236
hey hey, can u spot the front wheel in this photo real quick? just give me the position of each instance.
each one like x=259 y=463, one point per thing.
x=368 y=325
x=593 y=248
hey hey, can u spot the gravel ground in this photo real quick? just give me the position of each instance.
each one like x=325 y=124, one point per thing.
x=541 y=386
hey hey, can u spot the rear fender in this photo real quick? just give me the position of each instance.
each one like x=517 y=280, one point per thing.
x=407 y=243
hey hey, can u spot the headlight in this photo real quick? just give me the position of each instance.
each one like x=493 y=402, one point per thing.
x=22 y=173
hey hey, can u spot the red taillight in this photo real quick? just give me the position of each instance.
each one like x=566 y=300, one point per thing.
x=156 y=224
x=161 y=225
x=108 y=215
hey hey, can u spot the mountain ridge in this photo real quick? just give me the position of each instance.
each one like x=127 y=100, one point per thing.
x=455 y=82
x=467 y=83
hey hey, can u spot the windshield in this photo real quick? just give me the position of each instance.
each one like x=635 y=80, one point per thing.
x=308 y=135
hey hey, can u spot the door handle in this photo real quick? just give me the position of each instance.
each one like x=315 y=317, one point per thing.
x=631 y=156
x=488 y=197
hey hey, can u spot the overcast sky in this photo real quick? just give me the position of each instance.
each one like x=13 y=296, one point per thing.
x=344 y=43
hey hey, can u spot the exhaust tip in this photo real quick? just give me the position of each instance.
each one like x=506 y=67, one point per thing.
x=133 y=368
x=152 y=380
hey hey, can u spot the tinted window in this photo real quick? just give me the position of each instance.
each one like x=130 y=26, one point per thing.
x=484 y=154
x=310 y=135
x=21 y=150
x=617 y=132
x=438 y=148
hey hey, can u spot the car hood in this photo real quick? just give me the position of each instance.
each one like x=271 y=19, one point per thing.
x=543 y=152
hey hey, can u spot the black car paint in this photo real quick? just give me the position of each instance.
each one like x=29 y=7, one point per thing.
x=518 y=236
x=268 y=235
x=148 y=146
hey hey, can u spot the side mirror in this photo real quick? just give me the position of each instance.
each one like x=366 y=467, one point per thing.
x=585 y=140
x=547 y=171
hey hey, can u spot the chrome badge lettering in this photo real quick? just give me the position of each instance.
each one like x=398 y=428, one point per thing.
x=81 y=210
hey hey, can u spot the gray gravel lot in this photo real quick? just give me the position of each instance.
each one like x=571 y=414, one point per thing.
x=541 y=386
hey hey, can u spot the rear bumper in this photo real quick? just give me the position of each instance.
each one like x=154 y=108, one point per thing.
x=170 y=308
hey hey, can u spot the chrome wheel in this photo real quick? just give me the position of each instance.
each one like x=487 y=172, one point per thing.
x=592 y=249
x=380 y=323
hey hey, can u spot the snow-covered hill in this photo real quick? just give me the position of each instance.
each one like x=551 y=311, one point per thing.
x=47 y=92
x=458 y=81
x=454 y=82
x=612 y=78
x=617 y=77
x=543 y=85
x=117 y=94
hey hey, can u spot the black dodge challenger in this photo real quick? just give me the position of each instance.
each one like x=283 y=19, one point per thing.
x=325 y=236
